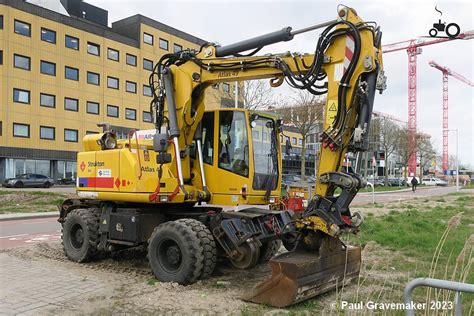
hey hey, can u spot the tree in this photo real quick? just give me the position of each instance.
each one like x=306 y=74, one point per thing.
x=386 y=131
x=306 y=114
x=404 y=148
x=253 y=95
x=425 y=152
x=257 y=94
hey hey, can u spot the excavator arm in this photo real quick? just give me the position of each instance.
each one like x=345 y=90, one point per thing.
x=346 y=66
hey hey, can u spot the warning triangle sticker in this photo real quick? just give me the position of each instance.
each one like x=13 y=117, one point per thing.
x=332 y=107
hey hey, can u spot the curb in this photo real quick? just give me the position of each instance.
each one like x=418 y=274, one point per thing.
x=394 y=191
x=14 y=217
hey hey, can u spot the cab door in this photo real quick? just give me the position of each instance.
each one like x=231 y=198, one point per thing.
x=226 y=162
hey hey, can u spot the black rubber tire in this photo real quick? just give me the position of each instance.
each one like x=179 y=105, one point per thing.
x=47 y=184
x=88 y=221
x=207 y=244
x=179 y=236
x=433 y=32
x=456 y=33
x=268 y=250
x=19 y=184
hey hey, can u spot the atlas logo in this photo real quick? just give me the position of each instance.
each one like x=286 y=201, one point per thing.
x=83 y=166
x=452 y=29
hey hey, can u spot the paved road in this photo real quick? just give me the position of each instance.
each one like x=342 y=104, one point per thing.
x=15 y=233
x=366 y=198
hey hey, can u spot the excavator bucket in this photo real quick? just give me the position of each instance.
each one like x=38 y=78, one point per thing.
x=300 y=275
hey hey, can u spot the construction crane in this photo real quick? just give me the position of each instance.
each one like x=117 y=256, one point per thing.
x=413 y=48
x=447 y=72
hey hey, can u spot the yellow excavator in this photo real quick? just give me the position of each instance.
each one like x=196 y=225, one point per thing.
x=167 y=188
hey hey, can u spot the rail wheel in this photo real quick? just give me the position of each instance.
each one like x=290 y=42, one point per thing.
x=247 y=257
x=269 y=250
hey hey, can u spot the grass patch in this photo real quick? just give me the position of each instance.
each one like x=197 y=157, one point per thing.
x=152 y=281
x=30 y=201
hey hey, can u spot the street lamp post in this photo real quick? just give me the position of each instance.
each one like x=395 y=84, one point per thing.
x=457 y=157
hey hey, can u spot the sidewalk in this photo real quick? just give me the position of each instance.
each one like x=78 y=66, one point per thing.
x=16 y=216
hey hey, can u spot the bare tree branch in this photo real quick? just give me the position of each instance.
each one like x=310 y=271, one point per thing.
x=306 y=114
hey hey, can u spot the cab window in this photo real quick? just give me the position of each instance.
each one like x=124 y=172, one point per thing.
x=233 y=143
x=208 y=137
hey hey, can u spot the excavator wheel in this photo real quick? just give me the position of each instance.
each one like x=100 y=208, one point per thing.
x=248 y=256
x=80 y=234
x=268 y=250
x=175 y=252
x=207 y=243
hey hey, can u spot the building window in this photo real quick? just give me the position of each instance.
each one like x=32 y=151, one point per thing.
x=91 y=133
x=131 y=114
x=177 y=48
x=21 y=130
x=1 y=24
x=48 y=68
x=112 y=83
x=21 y=96
x=147 y=64
x=47 y=100
x=93 y=108
x=71 y=104
x=163 y=44
x=226 y=87
x=47 y=132
x=293 y=140
x=70 y=135
x=93 y=49
x=72 y=42
x=300 y=141
x=71 y=73
x=22 y=62
x=131 y=60
x=22 y=28
x=113 y=54
x=112 y=111
x=147 y=91
x=1 y=57
x=146 y=117
x=131 y=87
x=48 y=35
x=93 y=78
x=148 y=38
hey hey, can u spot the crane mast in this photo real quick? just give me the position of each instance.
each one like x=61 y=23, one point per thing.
x=447 y=72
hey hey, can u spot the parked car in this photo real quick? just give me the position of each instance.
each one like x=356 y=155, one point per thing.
x=396 y=182
x=29 y=180
x=66 y=181
x=434 y=182
x=440 y=182
x=428 y=181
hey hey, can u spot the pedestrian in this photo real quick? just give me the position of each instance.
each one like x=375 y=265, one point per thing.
x=414 y=183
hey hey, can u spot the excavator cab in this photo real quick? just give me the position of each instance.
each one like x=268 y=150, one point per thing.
x=241 y=154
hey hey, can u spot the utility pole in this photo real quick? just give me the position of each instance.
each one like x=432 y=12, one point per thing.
x=457 y=156
x=236 y=92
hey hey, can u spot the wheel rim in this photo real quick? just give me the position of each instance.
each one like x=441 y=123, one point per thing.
x=77 y=236
x=247 y=257
x=169 y=255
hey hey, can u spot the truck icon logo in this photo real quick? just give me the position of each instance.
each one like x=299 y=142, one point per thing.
x=452 y=29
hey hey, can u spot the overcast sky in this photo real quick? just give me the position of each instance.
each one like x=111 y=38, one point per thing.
x=226 y=22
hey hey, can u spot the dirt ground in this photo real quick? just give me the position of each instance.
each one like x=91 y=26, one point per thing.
x=132 y=289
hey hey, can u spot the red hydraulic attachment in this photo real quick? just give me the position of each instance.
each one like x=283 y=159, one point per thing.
x=447 y=72
x=413 y=48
